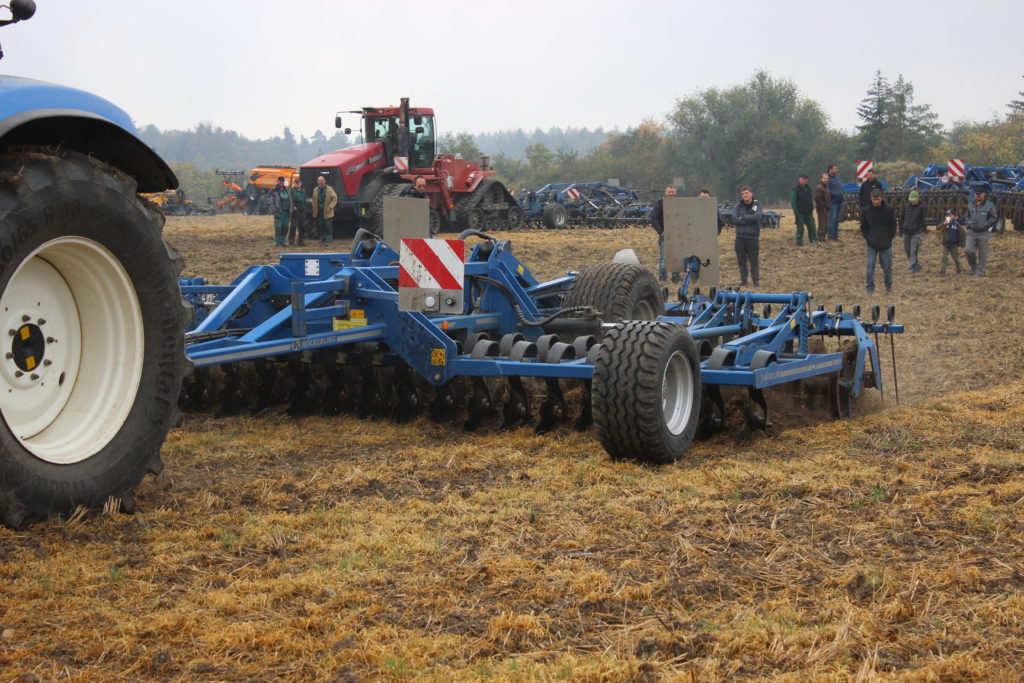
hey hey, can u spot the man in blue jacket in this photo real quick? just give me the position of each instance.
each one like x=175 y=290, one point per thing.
x=747 y=220
x=835 y=192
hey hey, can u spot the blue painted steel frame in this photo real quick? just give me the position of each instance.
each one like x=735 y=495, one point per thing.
x=277 y=310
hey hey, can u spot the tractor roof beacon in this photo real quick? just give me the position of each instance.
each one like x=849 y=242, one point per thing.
x=92 y=361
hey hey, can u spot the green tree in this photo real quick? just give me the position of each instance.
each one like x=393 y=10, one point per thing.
x=1017 y=106
x=762 y=133
x=461 y=144
x=894 y=126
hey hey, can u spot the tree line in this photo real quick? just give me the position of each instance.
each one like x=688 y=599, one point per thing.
x=761 y=133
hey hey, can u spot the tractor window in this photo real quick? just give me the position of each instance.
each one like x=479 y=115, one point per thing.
x=421 y=142
x=381 y=129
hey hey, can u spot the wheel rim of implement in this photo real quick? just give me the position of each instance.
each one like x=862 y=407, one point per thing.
x=677 y=392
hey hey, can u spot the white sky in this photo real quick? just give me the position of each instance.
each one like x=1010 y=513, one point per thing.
x=256 y=66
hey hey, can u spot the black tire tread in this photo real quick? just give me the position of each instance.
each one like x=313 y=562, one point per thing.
x=626 y=391
x=610 y=288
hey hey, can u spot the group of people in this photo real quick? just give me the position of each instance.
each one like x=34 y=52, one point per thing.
x=878 y=227
x=292 y=209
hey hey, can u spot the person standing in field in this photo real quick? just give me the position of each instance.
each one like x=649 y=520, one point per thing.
x=324 y=201
x=706 y=194
x=870 y=184
x=822 y=205
x=835 y=193
x=878 y=226
x=913 y=227
x=802 y=202
x=281 y=207
x=747 y=219
x=658 y=223
x=297 y=229
x=980 y=219
x=949 y=238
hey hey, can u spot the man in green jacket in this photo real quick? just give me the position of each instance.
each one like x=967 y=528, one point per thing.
x=297 y=229
x=281 y=207
x=801 y=199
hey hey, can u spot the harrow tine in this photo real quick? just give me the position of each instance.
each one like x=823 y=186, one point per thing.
x=712 y=412
x=480 y=405
x=410 y=402
x=300 y=399
x=230 y=398
x=449 y=399
x=553 y=410
x=265 y=394
x=517 y=409
x=755 y=419
x=586 y=416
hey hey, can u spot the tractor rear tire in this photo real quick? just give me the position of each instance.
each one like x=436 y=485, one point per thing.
x=94 y=357
x=620 y=291
x=555 y=217
x=646 y=391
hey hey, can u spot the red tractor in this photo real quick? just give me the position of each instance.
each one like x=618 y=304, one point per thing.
x=400 y=143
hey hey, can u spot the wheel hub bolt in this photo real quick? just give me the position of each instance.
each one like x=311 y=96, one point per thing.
x=18 y=373
x=25 y=318
x=50 y=340
x=33 y=376
x=9 y=355
x=47 y=362
x=41 y=321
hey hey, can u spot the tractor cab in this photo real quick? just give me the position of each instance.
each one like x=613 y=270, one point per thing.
x=416 y=139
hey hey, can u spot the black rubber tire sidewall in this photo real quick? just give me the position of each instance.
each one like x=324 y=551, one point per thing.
x=626 y=391
x=58 y=197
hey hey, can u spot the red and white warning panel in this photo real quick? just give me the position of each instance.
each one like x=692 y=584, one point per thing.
x=572 y=194
x=431 y=274
x=401 y=164
x=956 y=169
x=862 y=170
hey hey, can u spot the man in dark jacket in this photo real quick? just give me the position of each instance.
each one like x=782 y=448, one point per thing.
x=912 y=226
x=418 y=189
x=878 y=226
x=297 y=228
x=658 y=222
x=835 y=194
x=822 y=205
x=747 y=219
x=870 y=184
x=980 y=218
x=802 y=202
x=281 y=207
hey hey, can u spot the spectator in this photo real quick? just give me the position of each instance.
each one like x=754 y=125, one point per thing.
x=822 y=204
x=980 y=219
x=950 y=236
x=802 y=202
x=297 y=228
x=912 y=226
x=324 y=200
x=418 y=189
x=878 y=226
x=870 y=184
x=658 y=222
x=281 y=207
x=747 y=219
x=835 y=193
x=705 y=192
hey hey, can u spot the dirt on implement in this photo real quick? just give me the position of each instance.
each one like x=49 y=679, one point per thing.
x=339 y=549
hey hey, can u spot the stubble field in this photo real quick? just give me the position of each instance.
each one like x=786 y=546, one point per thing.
x=271 y=548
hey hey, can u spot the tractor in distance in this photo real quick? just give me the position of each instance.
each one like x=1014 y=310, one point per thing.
x=400 y=143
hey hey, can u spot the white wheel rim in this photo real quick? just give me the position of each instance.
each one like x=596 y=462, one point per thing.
x=73 y=350
x=677 y=393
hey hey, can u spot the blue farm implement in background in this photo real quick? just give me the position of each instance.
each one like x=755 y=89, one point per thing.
x=569 y=205
x=325 y=334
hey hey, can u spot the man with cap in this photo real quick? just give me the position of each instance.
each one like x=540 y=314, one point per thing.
x=822 y=205
x=949 y=237
x=981 y=217
x=835 y=193
x=801 y=200
x=281 y=207
x=912 y=226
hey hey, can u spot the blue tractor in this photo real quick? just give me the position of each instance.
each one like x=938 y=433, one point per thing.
x=93 y=360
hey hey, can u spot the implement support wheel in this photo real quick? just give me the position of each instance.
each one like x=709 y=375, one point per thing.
x=93 y=356
x=621 y=291
x=646 y=391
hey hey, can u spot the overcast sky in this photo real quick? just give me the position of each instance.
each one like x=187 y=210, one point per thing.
x=257 y=66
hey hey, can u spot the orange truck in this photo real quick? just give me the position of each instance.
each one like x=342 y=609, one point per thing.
x=252 y=198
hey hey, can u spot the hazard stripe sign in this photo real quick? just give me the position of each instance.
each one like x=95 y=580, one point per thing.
x=402 y=164
x=431 y=264
x=862 y=169
x=956 y=169
x=572 y=193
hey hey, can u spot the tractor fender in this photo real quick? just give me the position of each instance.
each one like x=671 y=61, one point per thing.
x=46 y=115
